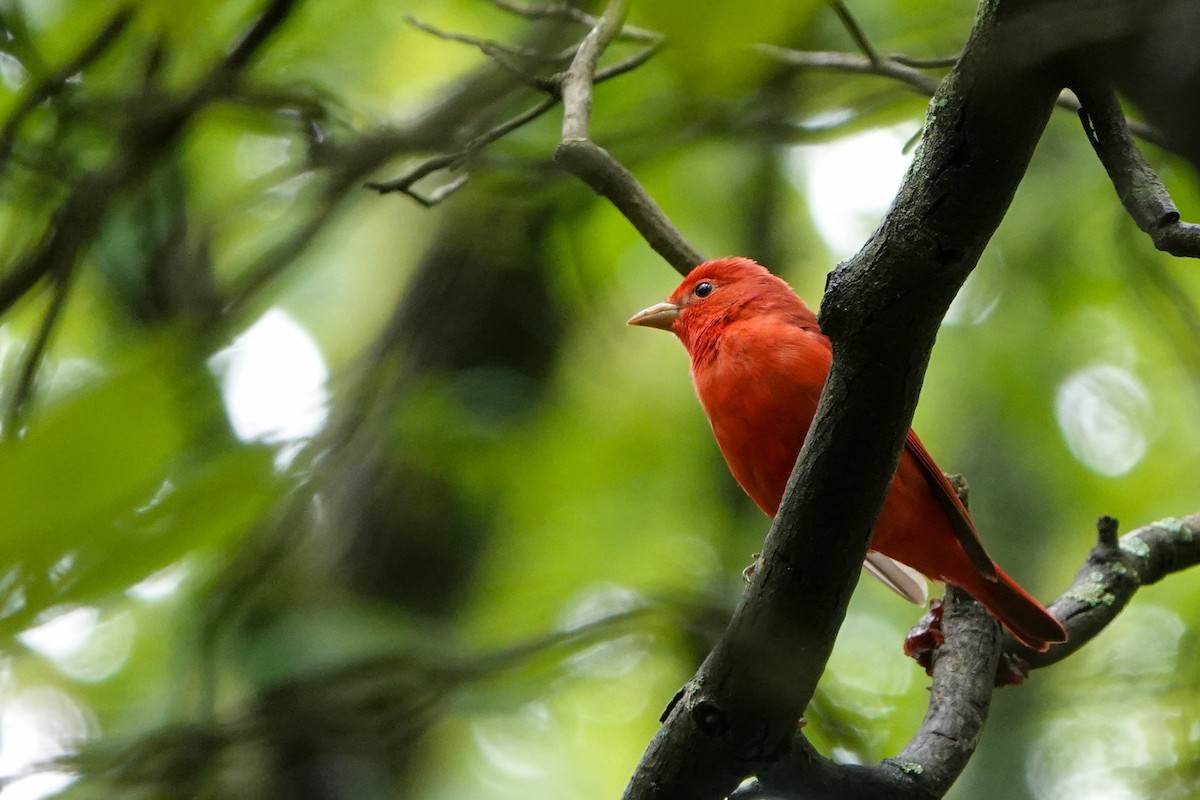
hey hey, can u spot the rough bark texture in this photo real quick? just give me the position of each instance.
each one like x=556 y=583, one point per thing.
x=882 y=309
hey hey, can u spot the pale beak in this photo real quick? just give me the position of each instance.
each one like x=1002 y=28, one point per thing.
x=661 y=315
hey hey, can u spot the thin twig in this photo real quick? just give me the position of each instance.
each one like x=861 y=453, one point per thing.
x=856 y=31
x=501 y=54
x=454 y=160
x=884 y=67
x=909 y=72
x=491 y=48
x=564 y=11
x=942 y=62
x=577 y=85
x=458 y=159
x=627 y=65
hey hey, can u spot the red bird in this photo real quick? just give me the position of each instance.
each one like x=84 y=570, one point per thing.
x=759 y=361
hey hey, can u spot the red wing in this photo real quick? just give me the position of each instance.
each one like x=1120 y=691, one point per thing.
x=960 y=520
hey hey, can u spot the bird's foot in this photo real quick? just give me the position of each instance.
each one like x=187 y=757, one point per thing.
x=749 y=571
x=926 y=637
x=1012 y=670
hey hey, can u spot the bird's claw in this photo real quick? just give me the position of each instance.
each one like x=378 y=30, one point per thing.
x=749 y=571
x=926 y=637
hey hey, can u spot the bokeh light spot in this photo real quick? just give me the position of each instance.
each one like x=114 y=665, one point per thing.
x=1102 y=411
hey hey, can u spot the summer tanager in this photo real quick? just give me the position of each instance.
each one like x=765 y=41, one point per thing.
x=759 y=361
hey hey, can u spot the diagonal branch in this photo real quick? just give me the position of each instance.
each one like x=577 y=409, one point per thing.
x=962 y=685
x=577 y=85
x=881 y=310
x=597 y=168
x=1138 y=186
x=570 y=12
x=1114 y=570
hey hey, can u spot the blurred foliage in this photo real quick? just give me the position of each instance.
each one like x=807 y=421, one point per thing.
x=311 y=492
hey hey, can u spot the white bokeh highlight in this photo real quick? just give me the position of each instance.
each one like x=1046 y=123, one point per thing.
x=37 y=725
x=851 y=182
x=1102 y=412
x=273 y=381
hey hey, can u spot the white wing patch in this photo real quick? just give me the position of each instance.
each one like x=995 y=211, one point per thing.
x=900 y=578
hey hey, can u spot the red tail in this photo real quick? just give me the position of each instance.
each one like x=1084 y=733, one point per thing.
x=1019 y=612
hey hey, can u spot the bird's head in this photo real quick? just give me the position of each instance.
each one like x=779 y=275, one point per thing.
x=718 y=293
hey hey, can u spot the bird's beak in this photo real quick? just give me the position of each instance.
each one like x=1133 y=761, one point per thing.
x=660 y=315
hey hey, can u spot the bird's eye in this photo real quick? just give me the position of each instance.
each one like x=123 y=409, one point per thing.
x=703 y=289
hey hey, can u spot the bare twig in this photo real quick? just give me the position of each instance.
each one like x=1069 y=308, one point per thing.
x=883 y=66
x=497 y=51
x=943 y=62
x=569 y=12
x=627 y=64
x=595 y=166
x=552 y=85
x=577 y=85
x=1138 y=186
x=455 y=160
x=856 y=31
x=909 y=72
x=503 y=55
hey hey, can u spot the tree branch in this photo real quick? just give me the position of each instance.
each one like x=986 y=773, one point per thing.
x=881 y=310
x=909 y=71
x=552 y=85
x=1138 y=186
x=597 y=168
x=1113 y=572
x=964 y=665
x=570 y=12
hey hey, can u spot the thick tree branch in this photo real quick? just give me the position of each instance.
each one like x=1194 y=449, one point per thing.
x=963 y=666
x=937 y=754
x=881 y=310
x=1138 y=186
